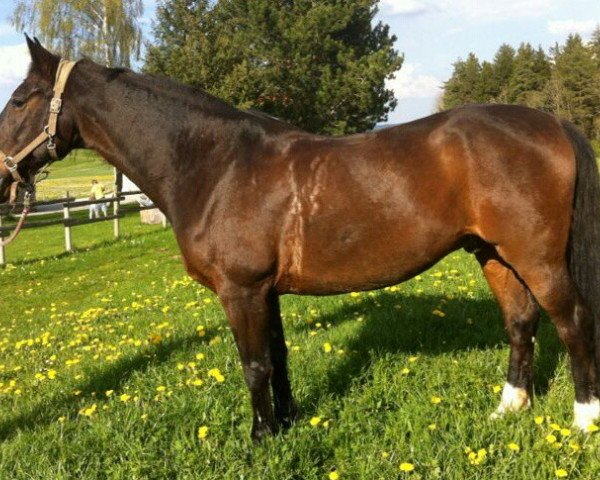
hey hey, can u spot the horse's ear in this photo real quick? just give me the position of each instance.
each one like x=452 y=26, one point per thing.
x=42 y=61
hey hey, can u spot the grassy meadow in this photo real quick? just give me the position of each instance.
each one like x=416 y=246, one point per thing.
x=75 y=174
x=114 y=365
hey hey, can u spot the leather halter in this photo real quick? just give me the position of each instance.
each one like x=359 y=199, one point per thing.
x=49 y=133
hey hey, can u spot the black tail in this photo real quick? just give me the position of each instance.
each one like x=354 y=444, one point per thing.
x=584 y=244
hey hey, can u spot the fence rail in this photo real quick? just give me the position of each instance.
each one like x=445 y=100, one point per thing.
x=69 y=203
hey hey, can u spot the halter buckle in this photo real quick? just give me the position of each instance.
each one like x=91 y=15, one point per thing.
x=55 y=105
x=10 y=164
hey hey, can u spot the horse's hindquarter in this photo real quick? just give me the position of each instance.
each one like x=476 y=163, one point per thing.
x=367 y=211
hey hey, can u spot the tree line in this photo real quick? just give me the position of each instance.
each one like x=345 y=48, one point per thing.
x=564 y=81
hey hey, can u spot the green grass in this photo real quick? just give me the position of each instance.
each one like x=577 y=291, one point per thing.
x=122 y=318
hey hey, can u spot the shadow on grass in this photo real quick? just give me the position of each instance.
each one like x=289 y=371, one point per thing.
x=108 y=377
x=469 y=324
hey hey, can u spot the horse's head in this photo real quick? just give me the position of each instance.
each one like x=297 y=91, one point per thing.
x=26 y=117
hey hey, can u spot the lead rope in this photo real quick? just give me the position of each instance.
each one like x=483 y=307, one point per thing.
x=21 y=222
x=42 y=175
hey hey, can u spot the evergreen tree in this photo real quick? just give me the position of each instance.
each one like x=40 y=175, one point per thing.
x=106 y=30
x=595 y=45
x=503 y=67
x=576 y=74
x=319 y=65
x=465 y=85
x=488 y=83
x=530 y=75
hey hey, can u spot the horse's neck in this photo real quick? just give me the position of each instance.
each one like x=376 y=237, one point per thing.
x=161 y=147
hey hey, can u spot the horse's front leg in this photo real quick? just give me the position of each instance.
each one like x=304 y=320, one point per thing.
x=285 y=406
x=249 y=313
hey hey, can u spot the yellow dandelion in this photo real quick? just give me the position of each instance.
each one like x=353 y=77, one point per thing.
x=514 y=447
x=435 y=399
x=124 y=398
x=406 y=467
x=51 y=374
x=88 y=412
x=555 y=427
x=538 y=420
x=413 y=359
x=405 y=371
x=199 y=356
x=334 y=475
x=438 y=313
x=109 y=393
x=574 y=445
x=550 y=438
x=314 y=421
x=561 y=473
x=202 y=432
x=216 y=374
x=497 y=388
x=565 y=432
x=327 y=347
x=592 y=428
x=431 y=427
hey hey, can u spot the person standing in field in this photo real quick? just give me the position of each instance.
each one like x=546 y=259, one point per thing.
x=97 y=193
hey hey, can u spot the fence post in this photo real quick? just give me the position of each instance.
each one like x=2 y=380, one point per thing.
x=2 y=251
x=116 y=213
x=67 y=215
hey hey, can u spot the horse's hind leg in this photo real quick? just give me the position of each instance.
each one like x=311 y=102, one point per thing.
x=521 y=316
x=552 y=286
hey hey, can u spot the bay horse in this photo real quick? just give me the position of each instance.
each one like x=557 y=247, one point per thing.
x=260 y=209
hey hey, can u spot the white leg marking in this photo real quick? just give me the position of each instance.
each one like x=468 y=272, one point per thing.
x=513 y=400
x=586 y=414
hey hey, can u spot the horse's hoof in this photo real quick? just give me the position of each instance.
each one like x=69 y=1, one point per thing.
x=586 y=414
x=287 y=418
x=262 y=431
x=513 y=399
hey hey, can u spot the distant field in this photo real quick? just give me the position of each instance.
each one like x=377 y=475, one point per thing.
x=75 y=174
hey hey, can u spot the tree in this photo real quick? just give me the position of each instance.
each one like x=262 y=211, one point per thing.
x=319 y=65
x=595 y=45
x=107 y=31
x=576 y=75
x=464 y=86
x=503 y=66
x=490 y=89
x=531 y=73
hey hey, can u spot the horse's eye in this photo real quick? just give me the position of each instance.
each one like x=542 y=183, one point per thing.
x=18 y=102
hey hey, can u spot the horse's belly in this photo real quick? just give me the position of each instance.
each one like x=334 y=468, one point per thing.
x=337 y=257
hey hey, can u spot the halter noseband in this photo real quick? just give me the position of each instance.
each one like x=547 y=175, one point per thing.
x=49 y=133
